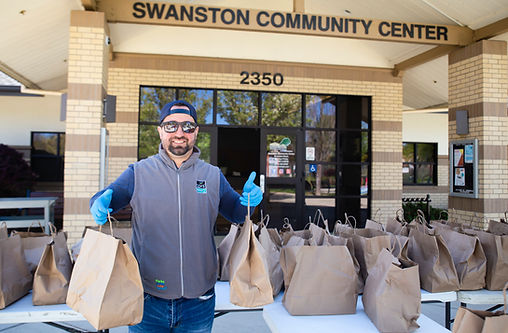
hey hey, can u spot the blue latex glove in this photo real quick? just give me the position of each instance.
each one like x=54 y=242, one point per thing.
x=100 y=207
x=253 y=190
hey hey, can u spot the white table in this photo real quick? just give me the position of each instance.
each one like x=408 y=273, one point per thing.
x=482 y=296
x=47 y=203
x=23 y=311
x=444 y=297
x=222 y=303
x=280 y=321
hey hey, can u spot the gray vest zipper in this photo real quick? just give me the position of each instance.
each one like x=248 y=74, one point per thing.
x=180 y=227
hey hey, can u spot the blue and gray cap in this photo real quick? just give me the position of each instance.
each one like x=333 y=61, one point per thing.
x=166 y=110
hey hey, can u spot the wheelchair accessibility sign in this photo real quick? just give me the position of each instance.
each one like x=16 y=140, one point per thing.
x=312 y=168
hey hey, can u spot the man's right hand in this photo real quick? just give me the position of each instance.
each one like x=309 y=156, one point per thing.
x=100 y=207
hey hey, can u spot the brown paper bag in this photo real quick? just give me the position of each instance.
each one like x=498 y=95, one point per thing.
x=498 y=227
x=496 y=251
x=51 y=279
x=391 y=297
x=122 y=230
x=272 y=251
x=437 y=271
x=224 y=250
x=371 y=224
x=33 y=246
x=15 y=278
x=368 y=243
x=319 y=280
x=468 y=258
x=475 y=321
x=249 y=274
x=107 y=292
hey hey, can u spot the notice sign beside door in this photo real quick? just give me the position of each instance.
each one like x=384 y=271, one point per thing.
x=464 y=168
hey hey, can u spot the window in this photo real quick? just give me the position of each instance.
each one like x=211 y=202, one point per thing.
x=47 y=155
x=419 y=163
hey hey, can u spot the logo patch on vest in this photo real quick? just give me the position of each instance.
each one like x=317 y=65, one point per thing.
x=201 y=186
x=160 y=284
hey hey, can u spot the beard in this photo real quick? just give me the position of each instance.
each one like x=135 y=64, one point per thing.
x=179 y=149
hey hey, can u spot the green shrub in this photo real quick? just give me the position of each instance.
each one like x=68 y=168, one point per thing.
x=411 y=208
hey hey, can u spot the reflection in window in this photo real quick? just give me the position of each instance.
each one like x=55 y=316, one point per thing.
x=419 y=163
x=353 y=112
x=203 y=143
x=202 y=100
x=354 y=146
x=281 y=109
x=323 y=143
x=320 y=182
x=151 y=101
x=280 y=156
x=47 y=155
x=237 y=107
x=280 y=194
x=149 y=141
x=46 y=144
x=320 y=111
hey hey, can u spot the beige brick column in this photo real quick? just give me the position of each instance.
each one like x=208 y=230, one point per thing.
x=478 y=83
x=87 y=81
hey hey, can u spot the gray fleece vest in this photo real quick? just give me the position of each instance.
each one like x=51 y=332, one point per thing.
x=174 y=213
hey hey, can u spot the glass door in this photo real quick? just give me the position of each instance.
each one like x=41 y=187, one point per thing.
x=281 y=176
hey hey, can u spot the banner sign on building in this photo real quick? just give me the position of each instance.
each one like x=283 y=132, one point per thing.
x=207 y=16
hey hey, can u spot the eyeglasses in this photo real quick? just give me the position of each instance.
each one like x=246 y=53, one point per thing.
x=172 y=126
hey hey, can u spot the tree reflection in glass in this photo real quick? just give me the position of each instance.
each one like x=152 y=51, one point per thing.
x=237 y=107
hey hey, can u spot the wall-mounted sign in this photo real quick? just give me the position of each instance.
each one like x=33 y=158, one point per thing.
x=464 y=168
x=310 y=153
x=209 y=16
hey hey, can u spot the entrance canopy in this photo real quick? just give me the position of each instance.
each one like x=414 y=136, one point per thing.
x=35 y=42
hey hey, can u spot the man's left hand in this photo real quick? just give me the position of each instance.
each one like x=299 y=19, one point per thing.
x=252 y=194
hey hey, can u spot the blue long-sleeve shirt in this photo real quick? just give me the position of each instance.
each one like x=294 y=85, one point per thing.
x=123 y=188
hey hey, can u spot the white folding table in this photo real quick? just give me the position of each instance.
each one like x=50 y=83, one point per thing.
x=482 y=296
x=280 y=321
x=47 y=203
x=23 y=311
x=444 y=297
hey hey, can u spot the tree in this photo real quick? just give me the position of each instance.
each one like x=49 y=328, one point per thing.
x=16 y=176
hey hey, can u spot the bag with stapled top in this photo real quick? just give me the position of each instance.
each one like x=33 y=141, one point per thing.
x=107 y=292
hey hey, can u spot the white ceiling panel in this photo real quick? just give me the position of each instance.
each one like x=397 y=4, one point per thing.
x=34 y=42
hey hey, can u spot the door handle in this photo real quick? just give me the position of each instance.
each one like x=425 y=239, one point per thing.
x=262 y=183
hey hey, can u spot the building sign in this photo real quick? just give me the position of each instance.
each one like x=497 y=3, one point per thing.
x=464 y=168
x=206 y=16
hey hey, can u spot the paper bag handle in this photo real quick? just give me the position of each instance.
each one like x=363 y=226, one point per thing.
x=347 y=220
x=504 y=295
x=399 y=216
x=264 y=218
x=378 y=211
x=35 y=223
x=110 y=225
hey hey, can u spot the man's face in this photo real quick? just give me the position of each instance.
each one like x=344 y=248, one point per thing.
x=178 y=143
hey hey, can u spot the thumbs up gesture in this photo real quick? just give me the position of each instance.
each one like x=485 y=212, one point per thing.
x=251 y=190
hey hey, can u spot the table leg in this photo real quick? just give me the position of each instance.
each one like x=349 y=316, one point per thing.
x=46 y=218
x=447 y=315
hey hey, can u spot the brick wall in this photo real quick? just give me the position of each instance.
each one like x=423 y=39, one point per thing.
x=87 y=80
x=478 y=83
x=128 y=72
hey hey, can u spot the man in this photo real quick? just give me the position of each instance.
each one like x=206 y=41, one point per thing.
x=175 y=198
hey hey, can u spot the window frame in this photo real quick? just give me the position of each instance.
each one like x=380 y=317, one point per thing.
x=415 y=164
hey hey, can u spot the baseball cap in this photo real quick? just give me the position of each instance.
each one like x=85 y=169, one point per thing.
x=166 y=110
